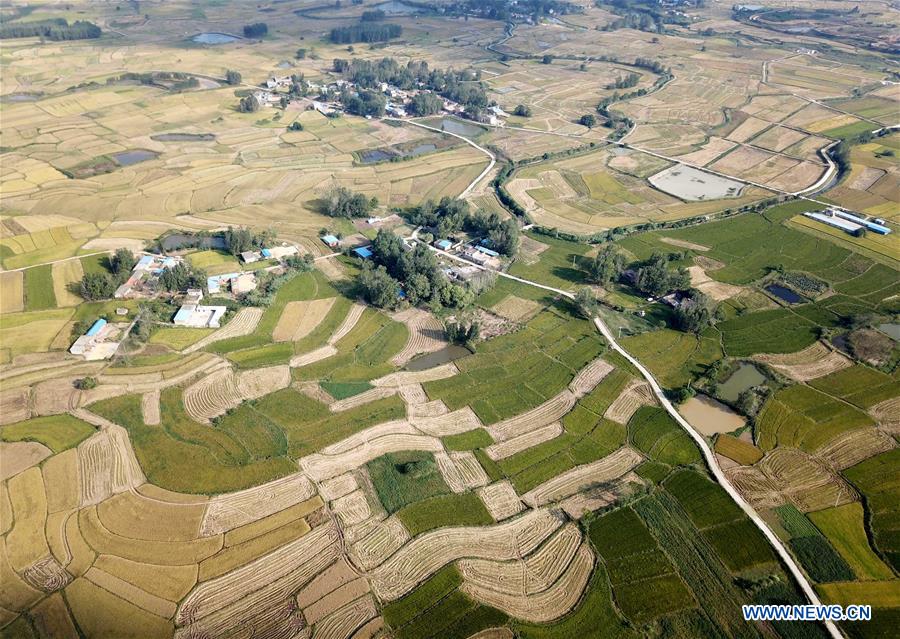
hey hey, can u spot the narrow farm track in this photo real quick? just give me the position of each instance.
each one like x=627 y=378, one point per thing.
x=708 y=454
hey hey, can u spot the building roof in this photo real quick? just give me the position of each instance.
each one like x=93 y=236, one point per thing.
x=96 y=327
x=144 y=262
x=487 y=251
x=184 y=313
x=266 y=252
x=444 y=244
x=363 y=251
x=330 y=239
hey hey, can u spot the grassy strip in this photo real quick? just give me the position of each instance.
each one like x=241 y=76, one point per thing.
x=56 y=432
x=406 y=477
x=464 y=509
x=38 y=285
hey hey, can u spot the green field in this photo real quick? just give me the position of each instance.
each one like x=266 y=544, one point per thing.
x=845 y=529
x=674 y=357
x=56 y=432
x=882 y=502
x=464 y=509
x=404 y=478
x=178 y=338
x=654 y=432
x=859 y=385
x=38 y=285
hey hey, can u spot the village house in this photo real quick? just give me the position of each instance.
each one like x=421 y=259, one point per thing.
x=192 y=314
x=237 y=283
x=100 y=341
x=331 y=241
x=147 y=269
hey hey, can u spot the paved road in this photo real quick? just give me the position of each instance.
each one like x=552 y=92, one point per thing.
x=708 y=454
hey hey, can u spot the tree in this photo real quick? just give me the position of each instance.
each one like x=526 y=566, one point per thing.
x=607 y=267
x=301 y=54
x=296 y=125
x=256 y=30
x=586 y=302
x=85 y=383
x=181 y=277
x=547 y=59
x=339 y=201
x=505 y=238
x=379 y=288
x=589 y=120
x=427 y=104
x=97 y=286
x=655 y=278
x=694 y=313
x=233 y=77
x=751 y=400
x=122 y=261
x=249 y=104
x=522 y=111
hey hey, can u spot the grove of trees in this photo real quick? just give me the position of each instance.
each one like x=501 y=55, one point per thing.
x=256 y=30
x=655 y=277
x=450 y=215
x=365 y=32
x=339 y=201
x=53 y=29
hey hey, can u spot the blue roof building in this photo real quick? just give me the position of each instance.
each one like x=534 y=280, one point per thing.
x=363 y=251
x=144 y=262
x=331 y=240
x=96 y=327
x=487 y=251
x=401 y=294
x=444 y=245
x=183 y=315
x=266 y=253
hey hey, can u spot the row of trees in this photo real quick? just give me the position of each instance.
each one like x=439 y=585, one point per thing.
x=625 y=82
x=56 y=29
x=238 y=240
x=365 y=32
x=256 y=30
x=450 y=215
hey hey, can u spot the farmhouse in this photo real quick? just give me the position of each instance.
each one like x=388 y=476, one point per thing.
x=873 y=225
x=251 y=256
x=444 y=245
x=331 y=241
x=144 y=272
x=194 y=315
x=277 y=83
x=837 y=222
x=237 y=283
x=101 y=341
x=363 y=252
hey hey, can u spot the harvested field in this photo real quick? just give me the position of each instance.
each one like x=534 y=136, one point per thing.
x=347 y=325
x=622 y=409
x=545 y=606
x=298 y=319
x=133 y=515
x=501 y=500
x=215 y=394
x=461 y=471
x=523 y=442
x=216 y=605
x=61 y=481
x=516 y=309
x=589 y=376
x=171 y=583
x=575 y=480
x=52 y=619
x=372 y=433
x=150 y=408
x=425 y=555
x=329 y=580
x=320 y=467
x=227 y=512
x=46 y=574
x=855 y=446
x=719 y=291
x=405 y=378
x=338 y=487
x=337 y=598
x=134 y=595
x=11 y=292
x=331 y=269
x=804 y=480
x=426 y=334
x=816 y=360
x=14 y=404
x=543 y=415
x=107 y=466
x=598 y=497
x=352 y=509
x=359 y=399
x=684 y=244
x=18 y=456
x=444 y=424
x=755 y=487
x=887 y=414
x=381 y=542
x=736 y=449
x=343 y=622
x=243 y=323
x=313 y=356
x=527 y=576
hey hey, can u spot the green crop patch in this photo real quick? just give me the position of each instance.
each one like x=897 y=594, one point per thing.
x=653 y=598
x=705 y=502
x=882 y=500
x=844 y=526
x=465 y=509
x=406 y=477
x=796 y=523
x=470 y=440
x=860 y=385
x=620 y=533
x=654 y=432
x=56 y=432
x=441 y=584
x=343 y=390
x=39 y=293
x=820 y=560
x=739 y=544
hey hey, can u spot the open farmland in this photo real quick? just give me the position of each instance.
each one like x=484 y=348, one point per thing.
x=337 y=462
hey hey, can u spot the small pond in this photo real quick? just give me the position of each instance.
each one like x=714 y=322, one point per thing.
x=458 y=127
x=709 y=417
x=127 y=158
x=372 y=156
x=394 y=7
x=20 y=97
x=892 y=330
x=430 y=360
x=183 y=137
x=784 y=294
x=214 y=38
x=746 y=376
x=178 y=241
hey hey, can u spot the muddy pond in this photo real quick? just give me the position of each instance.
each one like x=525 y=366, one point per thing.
x=451 y=125
x=372 y=156
x=746 y=376
x=708 y=417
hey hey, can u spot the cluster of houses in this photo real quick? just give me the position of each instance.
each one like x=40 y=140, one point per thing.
x=270 y=253
x=849 y=222
x=144 y=275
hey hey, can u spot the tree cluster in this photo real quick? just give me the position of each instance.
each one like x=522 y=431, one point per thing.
x=450 y=215
x=249 y=104
x=416 y=272
x=256 y=30
x=460 y=86
x=238 y=240
x=55 y=29
x=364 y=102
x=607 y=266
x=694 y=313
x=625 y=82
x=182 y=276
x=101 y=286
x=505 y=10
x=655 y=277
x=339 y=201
x=373 y=15
x=365 y=32
x=427 y=104
x=522 y=111
x=233 y=77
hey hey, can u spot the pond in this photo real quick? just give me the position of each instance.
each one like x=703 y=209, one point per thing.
x=20 y=97
x=178 y=241
x=692 y=184
x=394 y=7
x=451 y=125
x=430 y=360
x=891 y=330
x=746 y=376
x=183 y=137
x=214 y=38
x=371 y=156
x=708 y=417
x=784 y=294
x=127 y=158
